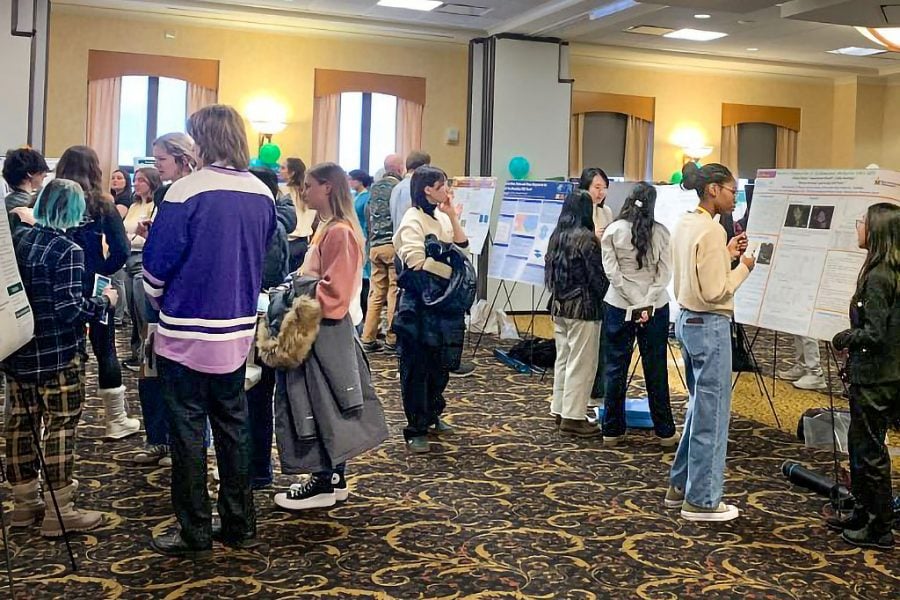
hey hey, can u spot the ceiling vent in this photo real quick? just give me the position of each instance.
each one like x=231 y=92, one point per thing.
x=464 y=10
x=649 y=30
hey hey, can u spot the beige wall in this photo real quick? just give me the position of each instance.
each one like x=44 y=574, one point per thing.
x=844 y=143
x=253 y=65
x=690 y=103
x=870 y=111
x=890 y=157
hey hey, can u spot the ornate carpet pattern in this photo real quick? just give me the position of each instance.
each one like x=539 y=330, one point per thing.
x=505 y=508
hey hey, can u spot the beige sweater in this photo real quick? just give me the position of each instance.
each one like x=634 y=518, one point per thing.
x=704 y=279
x=409 y=240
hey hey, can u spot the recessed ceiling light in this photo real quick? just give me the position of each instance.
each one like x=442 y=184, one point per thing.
x=855 y=51
x=695 y=35
x=411 y=4
x=701 y=16
x=752 y=49
x=746 y=22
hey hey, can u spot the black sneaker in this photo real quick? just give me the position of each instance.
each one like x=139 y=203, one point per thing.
x=372 y=347
x=856 y=520
x=341 y=489
x=171 y=544
x=246 y=542
x=463 y=370
x=132 y=364
x=312 y=492
x=866 y=537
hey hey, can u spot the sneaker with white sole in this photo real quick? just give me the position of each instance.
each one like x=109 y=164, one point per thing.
x=811 y=381
x=154 y=454
x=341 y=489
x=674 y=498
x=792 y=374
x=723 y=512
x=312 y=492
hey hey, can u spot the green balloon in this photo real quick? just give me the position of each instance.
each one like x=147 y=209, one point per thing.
x=676 y=177
x=269 y=153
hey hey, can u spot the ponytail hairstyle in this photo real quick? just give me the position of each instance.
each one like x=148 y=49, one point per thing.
x=882 y=241
x=696 y=178
x=639 y=210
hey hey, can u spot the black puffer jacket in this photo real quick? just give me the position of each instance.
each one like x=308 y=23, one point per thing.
x=275 y=266
x=574 y=276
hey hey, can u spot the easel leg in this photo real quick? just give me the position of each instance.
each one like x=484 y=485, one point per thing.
x=675 y=362
x=762 y=383
x=12 y=593
x=834 y=444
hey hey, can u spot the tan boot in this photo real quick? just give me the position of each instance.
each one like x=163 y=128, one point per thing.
x=74 y=519
x=579 y=428
x=28 y=507
x=118 y=424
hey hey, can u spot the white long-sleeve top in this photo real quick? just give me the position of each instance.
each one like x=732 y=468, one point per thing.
x=628 y=284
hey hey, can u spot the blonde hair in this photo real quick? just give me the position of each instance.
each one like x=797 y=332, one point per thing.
x=219 y=134
x=340 y=200
x=179 y=146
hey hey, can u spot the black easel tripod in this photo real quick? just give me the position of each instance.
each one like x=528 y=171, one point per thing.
x=757 y=371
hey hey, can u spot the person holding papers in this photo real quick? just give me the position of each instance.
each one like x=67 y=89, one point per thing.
x=705 y=285
x=874 y=373
x=637 y=260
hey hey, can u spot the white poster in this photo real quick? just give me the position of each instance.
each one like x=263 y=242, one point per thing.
x=808 y=260
x=16 y=319
x=474 y=199
x=672 y=203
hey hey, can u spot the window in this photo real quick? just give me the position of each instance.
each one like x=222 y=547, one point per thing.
x=604 y=142
x=756 y=148
x=149 y=107
x=368 y=130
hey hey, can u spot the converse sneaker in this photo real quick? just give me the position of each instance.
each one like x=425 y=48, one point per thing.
x=792 y=374
x=154 y=454
x=132 y=364
x=341 y=489
x=312 y=492
x=811 y=381
x=723 y=512
x=674 y=497
x=372 y=347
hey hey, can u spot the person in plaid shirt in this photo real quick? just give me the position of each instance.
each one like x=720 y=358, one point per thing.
x=46 y=376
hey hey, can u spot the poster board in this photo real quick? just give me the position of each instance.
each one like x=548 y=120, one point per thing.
x=474 y=200
x=16 y=318
x=804 y=222
x=528 y=215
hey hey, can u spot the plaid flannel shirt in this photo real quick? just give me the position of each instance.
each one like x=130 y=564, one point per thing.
x=52 y=266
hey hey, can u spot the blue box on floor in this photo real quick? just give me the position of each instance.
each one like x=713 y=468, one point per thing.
x=637 y=413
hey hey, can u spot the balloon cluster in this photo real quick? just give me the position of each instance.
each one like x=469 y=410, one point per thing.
x=268 y=157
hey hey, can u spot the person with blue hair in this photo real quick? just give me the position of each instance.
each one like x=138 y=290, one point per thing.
x=46 y=376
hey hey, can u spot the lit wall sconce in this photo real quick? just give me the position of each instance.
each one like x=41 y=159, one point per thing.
x=696 y=153
x=267 y=129
x=267 y=116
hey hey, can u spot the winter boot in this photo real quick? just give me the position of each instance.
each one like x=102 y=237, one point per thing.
x=28 y=507
x=118 y=424
x=74 y=519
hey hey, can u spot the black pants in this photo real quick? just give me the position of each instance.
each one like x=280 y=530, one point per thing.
x=422 y=383
x=598 y=390
x=298 y=250
x=103 y=342
x=872 y=409
x=260 y=399
x=192 y=397
x=619 y=342
x=364 y=298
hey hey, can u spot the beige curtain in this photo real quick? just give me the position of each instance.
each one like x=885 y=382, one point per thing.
x=785 y=148
x=199 y=96
x=637 y=149
x=104 y=96
x=326 y=128
x=409 y=129
x=729 y=156
x=576 y=145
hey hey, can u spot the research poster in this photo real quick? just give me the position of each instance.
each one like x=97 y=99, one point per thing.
x=804 y=224
x=474 y=200
x=16 y=319
x=528 y=215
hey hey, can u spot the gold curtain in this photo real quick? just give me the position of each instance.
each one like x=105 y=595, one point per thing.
x=104 y=96
x=785 y=148
x=326 y=128
x=576 y=145
x=637 y=148
x=729 y=153
x=409 y=129
x=199 y=97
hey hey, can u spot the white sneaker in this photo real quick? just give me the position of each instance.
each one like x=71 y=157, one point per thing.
x=723 y=512
x=792 y=374
x=811 y=381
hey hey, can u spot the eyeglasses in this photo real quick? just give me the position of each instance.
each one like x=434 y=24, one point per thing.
x=732 y=190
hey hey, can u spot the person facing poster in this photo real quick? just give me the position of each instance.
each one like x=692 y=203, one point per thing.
x=873 y=367
x=705 y=285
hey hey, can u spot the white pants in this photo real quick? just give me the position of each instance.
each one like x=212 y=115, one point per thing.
x=807 y=354
x=577 y=354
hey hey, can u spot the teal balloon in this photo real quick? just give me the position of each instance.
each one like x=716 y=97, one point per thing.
x=676 y=177
x=273 y=166
x=269 y=153
x=257 y=163
x=519 y=167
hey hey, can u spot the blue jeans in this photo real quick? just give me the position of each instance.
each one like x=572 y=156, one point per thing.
x=699 y=465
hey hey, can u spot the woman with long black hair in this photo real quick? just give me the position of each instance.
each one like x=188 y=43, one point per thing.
x=574 y=277
x=874 y=372
x=637 y=261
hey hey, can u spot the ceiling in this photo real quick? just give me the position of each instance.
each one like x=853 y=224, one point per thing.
x=797 y=32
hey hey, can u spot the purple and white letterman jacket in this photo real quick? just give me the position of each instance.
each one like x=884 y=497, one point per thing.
x=203 y=267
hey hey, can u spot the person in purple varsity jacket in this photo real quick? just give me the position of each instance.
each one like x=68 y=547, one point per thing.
x=203 y=265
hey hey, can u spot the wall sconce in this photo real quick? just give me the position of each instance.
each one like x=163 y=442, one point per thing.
x=696 y=153
x=267 y=129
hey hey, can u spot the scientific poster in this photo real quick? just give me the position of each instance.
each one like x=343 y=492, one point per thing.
x=474 y=199
x=16 y=319
x=808 y=260
x=528 y=215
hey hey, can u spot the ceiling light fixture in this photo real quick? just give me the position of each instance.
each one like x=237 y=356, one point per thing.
x=611 y=9
x=889 y=37
x=752 y=49
x=856 y=51
x=701 y=16
x=423 y=5
x=695 y=35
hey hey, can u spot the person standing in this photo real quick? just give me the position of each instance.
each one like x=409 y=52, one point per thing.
x=576 y=283
x=874 y=372
x=806 y=371
x=380 y=231
x=637 y=260
x=46 y=376
x=120 y=190
x=360 y=181
x=294 y=173
x=203 y=264
x=401 y=197
x=24 y=170
x=705 y=285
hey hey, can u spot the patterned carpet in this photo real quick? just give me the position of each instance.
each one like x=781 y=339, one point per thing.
x=503 y=509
